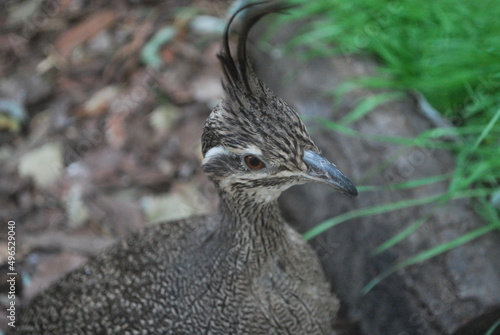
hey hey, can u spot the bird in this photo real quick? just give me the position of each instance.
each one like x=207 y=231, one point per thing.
x=240 y=270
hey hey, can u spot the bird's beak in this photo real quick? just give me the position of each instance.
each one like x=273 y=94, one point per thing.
x=319 y=169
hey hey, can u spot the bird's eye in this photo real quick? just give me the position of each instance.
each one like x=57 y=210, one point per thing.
x=254 y=163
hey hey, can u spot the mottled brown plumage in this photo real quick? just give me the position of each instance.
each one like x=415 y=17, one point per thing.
x=242 y=270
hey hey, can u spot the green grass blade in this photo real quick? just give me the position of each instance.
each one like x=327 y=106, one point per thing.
x=487 y=129
x=493 y=327
x=423 y=142
x=368 y=104
x=407 y=184
x=374 y=210
x=488 y=212
x=427 y=254
x=380 y=209
x=400 y=236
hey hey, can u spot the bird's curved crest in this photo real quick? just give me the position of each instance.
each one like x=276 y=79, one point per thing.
x=236 y=72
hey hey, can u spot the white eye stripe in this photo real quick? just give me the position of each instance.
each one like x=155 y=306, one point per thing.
x=216 y=151
x=220 y=150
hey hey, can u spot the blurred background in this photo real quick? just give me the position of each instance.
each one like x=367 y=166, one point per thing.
x=102 y=106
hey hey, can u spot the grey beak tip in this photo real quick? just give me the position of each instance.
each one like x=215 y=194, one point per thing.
x=323 y=171
x=351 y=191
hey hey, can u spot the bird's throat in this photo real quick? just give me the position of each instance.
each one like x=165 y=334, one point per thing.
x=257 y=227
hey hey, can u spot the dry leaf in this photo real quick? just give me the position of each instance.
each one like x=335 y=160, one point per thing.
x=87 y=29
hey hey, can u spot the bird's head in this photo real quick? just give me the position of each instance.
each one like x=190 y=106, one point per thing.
x=253 y=142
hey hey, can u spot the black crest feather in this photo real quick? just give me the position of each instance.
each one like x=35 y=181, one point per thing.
x=236 y=72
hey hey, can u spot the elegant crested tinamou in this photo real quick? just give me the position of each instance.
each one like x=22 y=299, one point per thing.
x=242 y=270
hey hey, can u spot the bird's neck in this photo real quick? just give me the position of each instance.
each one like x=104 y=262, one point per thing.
x=258 y=228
